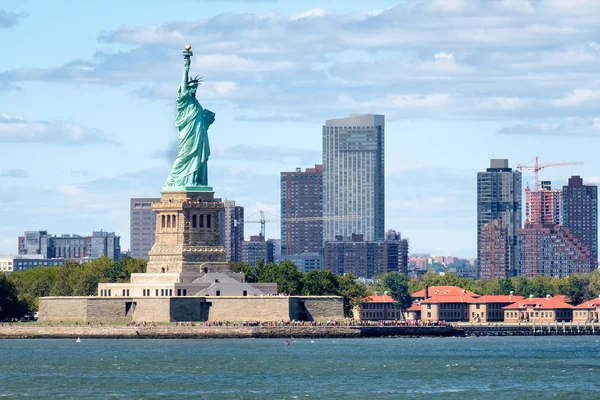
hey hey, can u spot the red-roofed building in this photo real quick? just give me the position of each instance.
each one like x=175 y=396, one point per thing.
x=588 y=311
x=379 y=307
x=441 y=291
x=446 y=307
x=539 y=309
x=489 y=308
x=413 y=313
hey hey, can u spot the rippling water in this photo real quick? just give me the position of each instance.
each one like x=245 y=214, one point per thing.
x=453 y=368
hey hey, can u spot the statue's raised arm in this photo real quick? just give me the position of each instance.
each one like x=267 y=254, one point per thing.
x=190 y=169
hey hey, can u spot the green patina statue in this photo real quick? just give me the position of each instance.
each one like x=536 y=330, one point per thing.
x=190 y=169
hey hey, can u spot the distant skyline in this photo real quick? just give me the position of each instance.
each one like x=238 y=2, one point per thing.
x=86 y=105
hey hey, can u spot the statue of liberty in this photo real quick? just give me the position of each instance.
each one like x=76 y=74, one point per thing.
x=190 y=169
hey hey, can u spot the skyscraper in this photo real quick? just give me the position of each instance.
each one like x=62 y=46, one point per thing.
x=499 y=198
x=232 y=234
x=580 y=213
x=353 y=176
x=551 y=250
x=142 y=226
x=493 y=251
x=543 y=205
x=302 y=197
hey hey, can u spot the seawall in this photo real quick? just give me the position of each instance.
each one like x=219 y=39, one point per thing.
x=220 y=332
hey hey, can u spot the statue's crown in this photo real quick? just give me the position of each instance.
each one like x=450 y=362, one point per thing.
x=196 y=80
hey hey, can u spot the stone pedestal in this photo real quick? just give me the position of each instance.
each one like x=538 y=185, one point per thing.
x=187 y=234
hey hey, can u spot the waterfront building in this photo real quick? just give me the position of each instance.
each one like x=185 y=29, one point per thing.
x=588 y=311
x=494 y=253
x=353 y=177
x=431 y=291
x=539 y=309
x=304 y=262
x=232 y=228
x=580 y=214
x=499 y=198
x=142 y=226
x=543 y=205
x=379 y=307
x=446 y=308
x=302 y=211
x=551 y=250
x=489 y=308
x=257 y=249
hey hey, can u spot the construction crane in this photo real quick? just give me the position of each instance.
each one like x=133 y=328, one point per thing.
x=538 y=167
x=263 y=220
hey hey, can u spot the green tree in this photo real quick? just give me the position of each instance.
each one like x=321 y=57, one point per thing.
x=10 y=307
x=288 y=278
x=320 y=283
x=250 y=272
x=352 y=291
x=397 y=285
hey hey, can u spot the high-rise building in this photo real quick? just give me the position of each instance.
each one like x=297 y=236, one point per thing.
x=353 y=177
x=580 y=213
x=257 y=249
x=551 y=250
x=103 y=244
x=33 y=242
x=499 y=198
x=494 y=253
x=232 y=227
x=142 y=226
x=301 y=200
x=68 y=246
x=366 y=259
x=543 y=205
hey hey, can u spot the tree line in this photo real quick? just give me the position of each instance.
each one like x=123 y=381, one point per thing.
x=20 y=291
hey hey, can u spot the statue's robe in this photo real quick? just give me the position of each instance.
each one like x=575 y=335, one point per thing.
x=190 y=167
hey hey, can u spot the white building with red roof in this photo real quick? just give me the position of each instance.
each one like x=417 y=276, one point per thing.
x=379 y=307
x=432 y=291
x=489 y=308
x=539 y=309
x=588 y=311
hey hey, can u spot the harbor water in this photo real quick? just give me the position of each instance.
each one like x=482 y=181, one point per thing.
x=448 y=368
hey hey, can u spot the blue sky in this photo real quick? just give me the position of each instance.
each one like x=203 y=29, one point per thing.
x=87 y=93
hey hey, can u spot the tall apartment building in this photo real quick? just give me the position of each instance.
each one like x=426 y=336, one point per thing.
x=353 y=177
x=366 y=258
x=580 y=213
x=257 y=249
x=142 y=226
x=302 y=199
x=499 y=198
x=33 y=242
x=543 y=205
x=494 y=253
x=232 y=230
x=552 y=250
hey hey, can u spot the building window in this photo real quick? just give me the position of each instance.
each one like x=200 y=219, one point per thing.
x=185 y=292
x=218 y=293
x=174 y=221
x=157 y=292
x=168 y=221
x=202 y=221
x=194 y=221
x=245 y=293
x=208 y=221
x=163 y=221
x=178 y=292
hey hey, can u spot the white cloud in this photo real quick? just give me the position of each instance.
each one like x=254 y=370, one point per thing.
x=313 y=12
x=561 y=127
x=16 y=129
x=577 y=97
x=70 y=190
